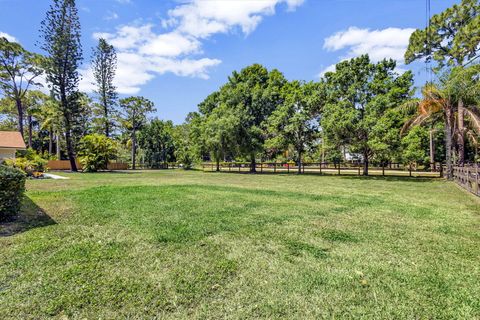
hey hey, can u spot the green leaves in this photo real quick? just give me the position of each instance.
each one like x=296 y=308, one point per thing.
x=358 y=114
x=135 y=112
x=157 y=142
x=295 y=121
x=96 y=151
x=452 y=38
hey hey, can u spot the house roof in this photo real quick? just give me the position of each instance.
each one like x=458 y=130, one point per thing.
x=11 y=139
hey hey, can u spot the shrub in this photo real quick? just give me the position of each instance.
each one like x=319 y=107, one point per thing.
x=95 y=152
x=29 y=162
x=12 y=186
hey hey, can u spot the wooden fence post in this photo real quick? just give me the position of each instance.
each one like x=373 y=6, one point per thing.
x=477 y=186
x=410 y=169
x=288 y=167
x=339 y=165
x=358 y=168
x=261 y=167
x=383 y=169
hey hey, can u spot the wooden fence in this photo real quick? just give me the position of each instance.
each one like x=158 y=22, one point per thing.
x=468 y=177
x=65 y=165
x=166 y=165
x=390 y=169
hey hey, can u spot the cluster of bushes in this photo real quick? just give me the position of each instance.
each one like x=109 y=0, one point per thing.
x=29 y=162
x=12 y=187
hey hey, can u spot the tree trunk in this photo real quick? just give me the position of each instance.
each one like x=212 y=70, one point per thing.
x=70 y=151
x=432 y=152
x=299 y=161
x=30 y=130
x=461 y=133
x=134 y=148
x=107 y=124
x=59 y=154
x=448 y=144
x=20 y=116
x=68 y=130
x=365 y=163
x=50 y=142
x=253 y=165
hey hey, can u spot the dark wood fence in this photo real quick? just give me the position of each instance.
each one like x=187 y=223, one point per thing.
x=390 y=169
x=468 y=177
x=166 y=165
x=65 y=165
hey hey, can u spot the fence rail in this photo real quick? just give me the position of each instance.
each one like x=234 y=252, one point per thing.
x=65 y=165
x=390 y=169
x=468 y=177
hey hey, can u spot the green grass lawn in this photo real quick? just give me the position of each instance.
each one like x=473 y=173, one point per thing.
x=178 y=245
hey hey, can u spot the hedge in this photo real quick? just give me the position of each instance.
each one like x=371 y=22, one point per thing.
x=12 y=187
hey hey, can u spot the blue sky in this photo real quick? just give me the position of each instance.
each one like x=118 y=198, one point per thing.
x=177 y=52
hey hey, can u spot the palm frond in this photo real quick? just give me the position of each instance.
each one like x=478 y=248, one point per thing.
x=474 y=118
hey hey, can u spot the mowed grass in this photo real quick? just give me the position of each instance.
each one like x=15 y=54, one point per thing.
x=193 y=245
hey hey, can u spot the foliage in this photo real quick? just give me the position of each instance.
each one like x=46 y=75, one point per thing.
x=29 y=162
x=19 y=70
x=12 y=187
x=295 y=121
x=221 y=132
x=96 y=151
x=184 y=150
x=104 y=64
x=415 y=146
x=156 y=141
x=135 y=110
x=250 y=96
x=452 y=37
x=61 y=42
x=360 y=96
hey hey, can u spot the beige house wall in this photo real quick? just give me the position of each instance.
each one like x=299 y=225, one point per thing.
x=7 y=154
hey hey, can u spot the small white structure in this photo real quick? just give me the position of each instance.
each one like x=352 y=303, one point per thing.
x=10 y=142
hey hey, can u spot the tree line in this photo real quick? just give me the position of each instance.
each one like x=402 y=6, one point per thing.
x=362 y=111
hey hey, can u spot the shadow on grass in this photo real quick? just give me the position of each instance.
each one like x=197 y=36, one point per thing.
x=31 y=216
x=341 y=176
x=392 y=178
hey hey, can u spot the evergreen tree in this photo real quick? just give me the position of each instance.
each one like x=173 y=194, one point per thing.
x=134 y=118
x=104 y=64
x=61 y=41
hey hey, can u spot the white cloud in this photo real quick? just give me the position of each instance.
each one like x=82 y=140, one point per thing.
x=204 y=18
x=111 y=16
x=170 y=44
x=378 y=44
x=8 y=37
x=144 y=53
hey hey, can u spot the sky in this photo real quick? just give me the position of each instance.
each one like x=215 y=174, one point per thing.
x=176 y=53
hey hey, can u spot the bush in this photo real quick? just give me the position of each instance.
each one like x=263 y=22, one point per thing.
x=28 y=162
x=12 y=186
x=96 y=151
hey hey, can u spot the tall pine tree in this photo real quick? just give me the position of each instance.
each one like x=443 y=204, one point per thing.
x=61 y=41
x=104 y=64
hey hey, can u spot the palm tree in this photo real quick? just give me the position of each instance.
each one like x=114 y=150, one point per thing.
x=464 y=86
x=51 y=119
x=442 y=103
x=426 y=111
